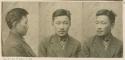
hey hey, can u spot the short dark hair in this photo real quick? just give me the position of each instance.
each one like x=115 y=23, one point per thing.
x=111 y=15
x=15 y=15
x=61 y=12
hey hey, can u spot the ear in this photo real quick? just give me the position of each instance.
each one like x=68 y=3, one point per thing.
x=112 y=25
x=52 y=23
x=70 y=22
x=14 y=24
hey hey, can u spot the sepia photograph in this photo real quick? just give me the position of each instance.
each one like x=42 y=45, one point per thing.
x=102 y=22
x=20 y=29
x=91 y=0
x=61 y=34
x=62 y=29
x=83 y=0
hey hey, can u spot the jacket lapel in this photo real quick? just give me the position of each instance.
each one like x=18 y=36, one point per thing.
x=69 y=48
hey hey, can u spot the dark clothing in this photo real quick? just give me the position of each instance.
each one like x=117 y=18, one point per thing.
x=95 y=47
x=54 y=47
x=16 y=46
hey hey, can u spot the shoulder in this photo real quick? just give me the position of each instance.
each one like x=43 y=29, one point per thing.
x=89 y=40
x=45 y=40
x=74 y=41
x=11 y=43
x=117 y=42
x=11 y=47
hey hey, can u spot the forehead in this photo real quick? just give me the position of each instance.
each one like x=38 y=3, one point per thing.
x=102 y=18
x=61 y=18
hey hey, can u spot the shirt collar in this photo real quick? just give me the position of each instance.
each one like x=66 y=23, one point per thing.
x=106 y=38
x=63 y=38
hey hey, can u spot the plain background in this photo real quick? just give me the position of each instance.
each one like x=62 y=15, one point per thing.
x=32 y=36
x=91 y=0
x=89 y=16
x=82 y=19
x=46 y=11
x=82 y=0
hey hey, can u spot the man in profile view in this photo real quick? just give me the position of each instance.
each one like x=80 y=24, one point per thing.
x=15 y=44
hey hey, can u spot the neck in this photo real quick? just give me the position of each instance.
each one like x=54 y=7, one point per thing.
x=65 y=36
x=105 y=36
x=15 y=32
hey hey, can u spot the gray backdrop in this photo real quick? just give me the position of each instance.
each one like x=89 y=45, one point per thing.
x=82 y=19
x=32 y=36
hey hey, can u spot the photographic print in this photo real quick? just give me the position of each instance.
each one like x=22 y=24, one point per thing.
x=62 y=29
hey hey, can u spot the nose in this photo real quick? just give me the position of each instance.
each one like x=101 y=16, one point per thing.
x=61 y=26
x=26 y=26
x=99 y=26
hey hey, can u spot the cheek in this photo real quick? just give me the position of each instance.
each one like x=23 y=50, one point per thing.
x=24 y=28
x=19 y=28
x=66 y=27
x=56 y=27
x=107 y=28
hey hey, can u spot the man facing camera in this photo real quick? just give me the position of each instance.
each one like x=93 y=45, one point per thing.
x=60 y=44
x=103 y=44
x=15 y=44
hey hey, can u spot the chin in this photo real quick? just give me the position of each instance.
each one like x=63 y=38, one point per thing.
x=61 y=34
x=23 y=34
x=100 y=34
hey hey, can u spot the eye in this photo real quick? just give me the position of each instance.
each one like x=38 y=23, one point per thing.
x=96 y=22
x=103 y=22
x=25 y=22
x=57 y=23
x=66 y=23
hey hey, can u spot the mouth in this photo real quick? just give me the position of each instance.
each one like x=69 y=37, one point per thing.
x=61 y=32
x=99 y=31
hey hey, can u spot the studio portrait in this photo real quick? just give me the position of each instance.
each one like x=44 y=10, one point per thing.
x=56 y=29
x=105 y=38
x=62 y=29
x=18 y=37
x=88 y=0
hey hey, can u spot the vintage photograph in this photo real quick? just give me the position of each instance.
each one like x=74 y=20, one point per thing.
x=105 y=36
x=82 y=0
x=62 y=29
x=91 y=0
x=20 y=29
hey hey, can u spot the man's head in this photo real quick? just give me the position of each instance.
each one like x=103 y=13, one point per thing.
x=61 y=21
x=17 y=20
x=105 y=20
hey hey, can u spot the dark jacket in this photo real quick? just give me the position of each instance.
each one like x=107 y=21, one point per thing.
x=94 y=47
x=16 y=46
x=50 y=47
